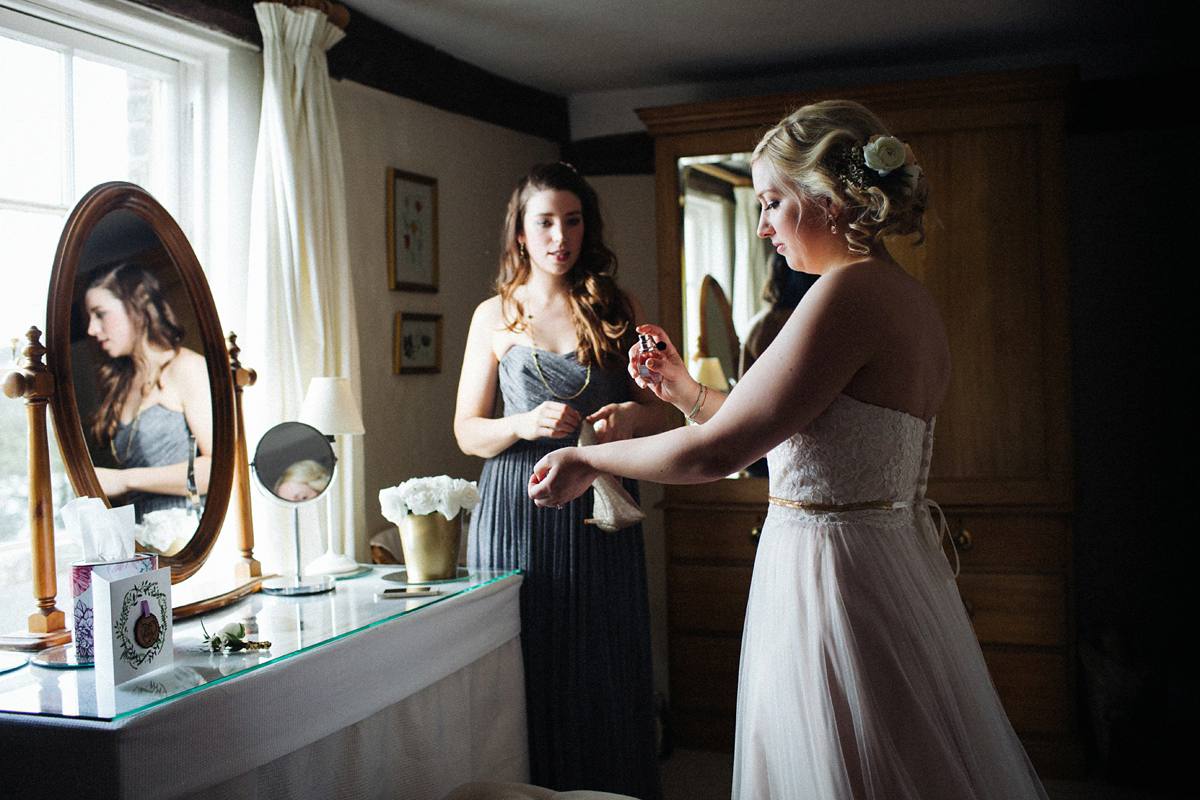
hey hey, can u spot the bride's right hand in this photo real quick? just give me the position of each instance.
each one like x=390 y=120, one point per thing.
x=551 y=419
x=670 y=380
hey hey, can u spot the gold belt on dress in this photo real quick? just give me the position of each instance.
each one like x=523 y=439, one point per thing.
x=943 y=529
x=829 y=508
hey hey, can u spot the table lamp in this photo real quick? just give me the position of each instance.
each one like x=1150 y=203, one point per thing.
x=708 y=371
x=330 y=407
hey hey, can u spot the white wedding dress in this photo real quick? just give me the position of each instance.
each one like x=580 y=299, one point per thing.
x=860 y=675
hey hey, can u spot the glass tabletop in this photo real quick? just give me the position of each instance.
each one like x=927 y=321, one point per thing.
x=292 y=624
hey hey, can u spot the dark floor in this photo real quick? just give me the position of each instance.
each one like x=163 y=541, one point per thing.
x=697 y=775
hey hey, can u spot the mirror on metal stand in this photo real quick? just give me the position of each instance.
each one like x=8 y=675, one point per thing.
x=293 y=466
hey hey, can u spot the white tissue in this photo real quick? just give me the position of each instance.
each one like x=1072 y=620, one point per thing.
x=107 y=534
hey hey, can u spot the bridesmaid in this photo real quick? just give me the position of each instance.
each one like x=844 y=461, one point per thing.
x=550 y=347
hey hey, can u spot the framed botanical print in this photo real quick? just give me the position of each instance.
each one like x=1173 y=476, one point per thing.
x=412 y=232
x=417 y=344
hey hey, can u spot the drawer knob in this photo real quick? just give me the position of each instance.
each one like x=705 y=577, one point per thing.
x=962 y=540
x=969 y=607
x=755 y=533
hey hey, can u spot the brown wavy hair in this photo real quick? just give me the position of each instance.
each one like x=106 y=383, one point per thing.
x=141 y=294
x=817 y=150
x=602 y=313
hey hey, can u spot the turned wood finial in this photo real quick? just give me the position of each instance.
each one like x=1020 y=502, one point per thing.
x=242 y=376
x=33 y=379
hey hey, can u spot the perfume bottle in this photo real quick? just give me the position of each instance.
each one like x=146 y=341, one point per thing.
x=646 y=348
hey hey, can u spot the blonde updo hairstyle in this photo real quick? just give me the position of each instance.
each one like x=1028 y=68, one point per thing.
x=816 y=154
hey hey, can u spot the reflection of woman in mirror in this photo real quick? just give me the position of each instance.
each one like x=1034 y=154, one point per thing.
x=782 y=293
x=301 y=481
x=154 y=393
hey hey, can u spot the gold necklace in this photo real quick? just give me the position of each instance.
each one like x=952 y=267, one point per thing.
x=537 y=366
x=112 y=443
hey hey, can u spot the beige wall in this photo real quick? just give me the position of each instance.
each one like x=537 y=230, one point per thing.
x=409 y=417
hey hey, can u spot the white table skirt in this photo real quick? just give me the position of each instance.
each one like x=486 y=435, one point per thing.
x=407 y=709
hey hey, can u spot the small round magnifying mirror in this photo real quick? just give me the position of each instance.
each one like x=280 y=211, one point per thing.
x=294 y=465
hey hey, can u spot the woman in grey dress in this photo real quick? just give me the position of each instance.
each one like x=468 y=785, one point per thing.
x=550 y=346
x=154 y=394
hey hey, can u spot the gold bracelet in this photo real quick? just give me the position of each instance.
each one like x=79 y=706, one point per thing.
x=699 y=404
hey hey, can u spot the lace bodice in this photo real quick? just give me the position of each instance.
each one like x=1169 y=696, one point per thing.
x=854 y=452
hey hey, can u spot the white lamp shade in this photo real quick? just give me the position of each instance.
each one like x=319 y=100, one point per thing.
x=709 y=372
x=330 y=407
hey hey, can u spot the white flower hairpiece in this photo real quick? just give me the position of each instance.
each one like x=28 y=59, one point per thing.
x=426 y=495
x=885 y=153
x=880 y=157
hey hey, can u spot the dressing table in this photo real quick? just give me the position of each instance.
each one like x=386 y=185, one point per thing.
x=356 y=697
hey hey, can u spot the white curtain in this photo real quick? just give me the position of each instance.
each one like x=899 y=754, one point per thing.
x=752 y=265
x=300 y=315
x=707 y=250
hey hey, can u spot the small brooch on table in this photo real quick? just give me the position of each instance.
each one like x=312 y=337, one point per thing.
x=231 y=639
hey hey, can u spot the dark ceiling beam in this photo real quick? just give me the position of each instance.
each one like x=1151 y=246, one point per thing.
x=377 y=56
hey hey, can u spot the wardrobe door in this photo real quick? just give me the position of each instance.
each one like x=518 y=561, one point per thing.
x=995 y=260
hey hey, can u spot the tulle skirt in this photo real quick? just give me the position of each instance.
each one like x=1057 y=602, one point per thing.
x=861 y=676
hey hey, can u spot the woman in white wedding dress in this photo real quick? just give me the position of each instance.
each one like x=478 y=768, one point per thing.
x=861 y=676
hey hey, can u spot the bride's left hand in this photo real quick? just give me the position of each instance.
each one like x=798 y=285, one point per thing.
x=560 y=477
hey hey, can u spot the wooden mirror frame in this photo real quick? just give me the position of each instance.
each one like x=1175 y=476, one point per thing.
x=95 y=205
x=711 y=342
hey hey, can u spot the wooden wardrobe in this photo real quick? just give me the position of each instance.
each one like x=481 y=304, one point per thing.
x=995 y=259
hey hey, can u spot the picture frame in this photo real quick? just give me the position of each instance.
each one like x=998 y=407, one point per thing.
x=412 y=232
x=417 y=344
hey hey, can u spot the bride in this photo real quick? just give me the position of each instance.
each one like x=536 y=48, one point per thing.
x=860 y=675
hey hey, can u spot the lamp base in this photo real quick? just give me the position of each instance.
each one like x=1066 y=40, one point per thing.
x=331 y=564
x=294 y=585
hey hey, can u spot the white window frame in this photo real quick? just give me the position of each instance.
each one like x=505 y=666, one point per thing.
x=202 y=122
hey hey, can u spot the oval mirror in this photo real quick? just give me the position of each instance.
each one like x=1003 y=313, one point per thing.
x=293 y=465
x=718 y=339
x=143 y=393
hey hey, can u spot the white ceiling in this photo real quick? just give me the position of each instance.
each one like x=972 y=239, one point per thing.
x=573 y=47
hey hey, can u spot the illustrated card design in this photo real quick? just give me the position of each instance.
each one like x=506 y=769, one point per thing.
x=133 y=625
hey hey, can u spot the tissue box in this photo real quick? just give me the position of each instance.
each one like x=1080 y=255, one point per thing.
x=81 y=594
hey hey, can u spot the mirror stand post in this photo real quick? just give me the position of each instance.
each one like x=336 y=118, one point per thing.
x=247 y=567
x=297 y=584
x=48 y=624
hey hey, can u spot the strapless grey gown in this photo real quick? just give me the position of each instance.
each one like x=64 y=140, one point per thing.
x=159 y=437
x=585 y=621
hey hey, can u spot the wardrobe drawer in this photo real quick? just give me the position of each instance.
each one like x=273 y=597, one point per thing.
x=1010 y=542
x=708 y=534
x=1034 y=688
x=707 y=599
x=1016 y=609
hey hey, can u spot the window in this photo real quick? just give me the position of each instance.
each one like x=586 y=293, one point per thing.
x=83 y=103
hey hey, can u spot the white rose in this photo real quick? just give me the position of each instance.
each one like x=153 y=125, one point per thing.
x=425 y=495
x=884 y=153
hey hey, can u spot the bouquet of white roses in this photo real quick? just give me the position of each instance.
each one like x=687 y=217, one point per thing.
x=426 y=495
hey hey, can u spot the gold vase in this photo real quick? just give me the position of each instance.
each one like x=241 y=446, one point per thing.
x=430 y=543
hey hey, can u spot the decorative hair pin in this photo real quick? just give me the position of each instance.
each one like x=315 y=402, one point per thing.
x=867 y=166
